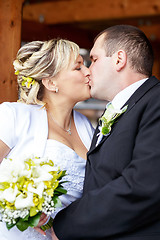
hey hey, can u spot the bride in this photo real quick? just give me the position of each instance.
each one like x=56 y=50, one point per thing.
x=52 y=79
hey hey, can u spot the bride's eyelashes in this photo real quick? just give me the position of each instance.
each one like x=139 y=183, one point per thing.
x=78 y=69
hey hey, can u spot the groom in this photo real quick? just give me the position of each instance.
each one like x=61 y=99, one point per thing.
x=121 y=198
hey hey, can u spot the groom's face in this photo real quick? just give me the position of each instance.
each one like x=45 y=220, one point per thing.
x=101 y=71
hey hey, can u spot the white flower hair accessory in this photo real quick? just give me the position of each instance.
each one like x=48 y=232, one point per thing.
x=27 y=82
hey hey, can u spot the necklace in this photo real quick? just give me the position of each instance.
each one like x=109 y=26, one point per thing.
x=68 y=130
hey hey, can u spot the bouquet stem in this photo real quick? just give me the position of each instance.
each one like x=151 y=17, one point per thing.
x=48 y=225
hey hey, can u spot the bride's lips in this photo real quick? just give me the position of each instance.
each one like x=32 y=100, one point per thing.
x=87 y=81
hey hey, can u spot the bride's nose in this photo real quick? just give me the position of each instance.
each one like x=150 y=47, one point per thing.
x=86 y=71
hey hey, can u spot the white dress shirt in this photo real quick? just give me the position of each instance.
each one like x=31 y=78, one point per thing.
x=121 y=98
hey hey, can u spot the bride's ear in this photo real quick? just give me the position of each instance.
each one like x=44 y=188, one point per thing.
x=49 y=84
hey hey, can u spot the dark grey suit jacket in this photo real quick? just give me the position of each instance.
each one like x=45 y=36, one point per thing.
x=121 y=198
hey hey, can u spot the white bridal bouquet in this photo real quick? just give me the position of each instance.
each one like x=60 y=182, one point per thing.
x=28 y=188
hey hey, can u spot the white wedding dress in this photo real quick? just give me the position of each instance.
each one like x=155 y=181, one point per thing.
x=67 y=159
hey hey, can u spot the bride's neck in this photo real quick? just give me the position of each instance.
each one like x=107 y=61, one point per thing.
x=61 y=112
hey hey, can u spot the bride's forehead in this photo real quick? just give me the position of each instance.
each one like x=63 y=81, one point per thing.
x=79 y=59
x=73 y=61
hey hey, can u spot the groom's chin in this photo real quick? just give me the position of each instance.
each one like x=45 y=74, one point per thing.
x=93 y=94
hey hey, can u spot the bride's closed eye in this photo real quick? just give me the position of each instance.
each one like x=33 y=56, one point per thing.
x=78 y=69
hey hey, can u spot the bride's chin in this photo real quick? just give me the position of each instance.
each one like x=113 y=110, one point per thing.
x=89 y=92
x=88 y=97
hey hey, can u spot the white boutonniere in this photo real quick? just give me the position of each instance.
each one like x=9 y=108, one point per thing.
x=109 y=117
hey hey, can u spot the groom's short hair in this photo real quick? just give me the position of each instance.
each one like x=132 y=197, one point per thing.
x=134 y=42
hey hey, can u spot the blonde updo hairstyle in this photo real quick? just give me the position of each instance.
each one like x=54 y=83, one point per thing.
x=38 y=60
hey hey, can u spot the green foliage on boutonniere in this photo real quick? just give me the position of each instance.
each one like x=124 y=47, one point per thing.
x=109 y=117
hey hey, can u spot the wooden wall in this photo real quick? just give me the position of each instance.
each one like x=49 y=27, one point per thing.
x=10 y=40
x=79 y=21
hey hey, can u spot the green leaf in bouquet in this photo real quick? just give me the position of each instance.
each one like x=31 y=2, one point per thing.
x=22 y=225
x=60 y=190
x=33 y=221
x=26 y=218
x=18 y=223
x=33 y=211
x=9 y=226
x=61 y=174
x=61 y=182
x=57 y=201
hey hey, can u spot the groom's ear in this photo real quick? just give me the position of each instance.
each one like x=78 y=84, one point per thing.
x=120 y=60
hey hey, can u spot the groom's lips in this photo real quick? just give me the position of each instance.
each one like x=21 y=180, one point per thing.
x=89 y=82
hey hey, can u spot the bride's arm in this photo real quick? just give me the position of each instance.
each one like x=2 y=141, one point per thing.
x=4 y=150
x=54 y=237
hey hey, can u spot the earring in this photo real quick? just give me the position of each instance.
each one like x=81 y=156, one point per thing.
x=56 y=90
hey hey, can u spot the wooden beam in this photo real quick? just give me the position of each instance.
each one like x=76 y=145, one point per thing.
x=84 y=34
x=152 y=32
x=71 y=11
x=149 y=25
x=32 y=31
x=10 y=32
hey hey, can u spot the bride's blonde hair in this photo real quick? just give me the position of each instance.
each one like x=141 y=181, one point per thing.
x=38 y=60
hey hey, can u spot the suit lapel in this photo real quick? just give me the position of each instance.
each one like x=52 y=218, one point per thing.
x=94 y=140
x=138 y=94
x=141 y=91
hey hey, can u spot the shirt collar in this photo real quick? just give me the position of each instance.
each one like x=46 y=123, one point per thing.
x=122 y=97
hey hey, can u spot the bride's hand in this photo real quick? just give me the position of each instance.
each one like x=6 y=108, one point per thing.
x=54 y=237
x=42 y=221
